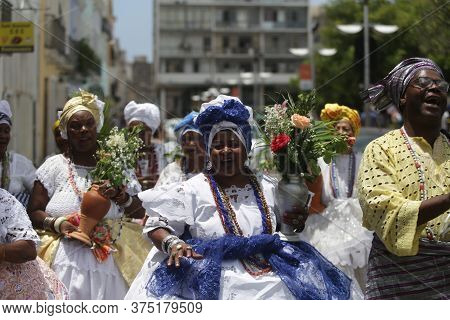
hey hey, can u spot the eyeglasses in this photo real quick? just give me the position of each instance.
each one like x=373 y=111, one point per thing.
x=426 y=83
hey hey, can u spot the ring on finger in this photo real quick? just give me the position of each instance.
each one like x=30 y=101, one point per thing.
x=179 y=247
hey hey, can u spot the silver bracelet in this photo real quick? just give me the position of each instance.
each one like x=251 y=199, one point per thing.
x=47 y=224
x=167 y=241
x=128 y=203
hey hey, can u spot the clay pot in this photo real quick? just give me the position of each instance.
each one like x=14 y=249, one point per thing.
x=94 y=208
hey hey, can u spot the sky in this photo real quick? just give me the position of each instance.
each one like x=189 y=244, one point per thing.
x=133 y=26
x=134 y=23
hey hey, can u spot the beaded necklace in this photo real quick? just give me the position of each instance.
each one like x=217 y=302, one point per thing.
x=254 y=265
x=421 y=173
x=350 y=180
x=72 y=182
x=5 y=172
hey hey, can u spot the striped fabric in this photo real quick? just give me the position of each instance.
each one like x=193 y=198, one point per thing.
x=423 y=276
x=23 y=197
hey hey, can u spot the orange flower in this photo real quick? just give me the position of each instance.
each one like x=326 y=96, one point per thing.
x=300 y=122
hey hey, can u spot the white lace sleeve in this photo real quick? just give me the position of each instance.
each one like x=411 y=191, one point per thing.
x=171 y=173
x=14 y=222
x=48 y=171
x=171 y=208
x=27 y=171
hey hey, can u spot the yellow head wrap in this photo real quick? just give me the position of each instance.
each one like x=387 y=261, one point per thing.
x=56 y=125
x=84 y=102
x=335 y=112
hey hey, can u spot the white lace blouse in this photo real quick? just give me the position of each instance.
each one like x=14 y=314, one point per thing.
x=22 y=173
x=14 y=222
x=191 y=203
x=54 y=174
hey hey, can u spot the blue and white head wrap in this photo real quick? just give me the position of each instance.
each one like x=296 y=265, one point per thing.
x=5 y=113
x=187 y=124
x=389 y=90
x=225 y=113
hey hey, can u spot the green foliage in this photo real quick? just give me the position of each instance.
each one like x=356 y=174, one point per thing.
x=423 y=32
x=118 y=153
x=87 y=60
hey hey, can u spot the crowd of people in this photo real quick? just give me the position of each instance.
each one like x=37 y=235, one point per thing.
x=205 y=226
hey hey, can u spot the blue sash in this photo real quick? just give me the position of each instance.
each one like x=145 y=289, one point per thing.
x=307 y=274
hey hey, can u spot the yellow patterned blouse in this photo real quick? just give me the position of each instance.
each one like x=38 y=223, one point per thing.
x=388 y=189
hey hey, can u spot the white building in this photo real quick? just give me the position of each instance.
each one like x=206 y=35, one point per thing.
x=240 y=47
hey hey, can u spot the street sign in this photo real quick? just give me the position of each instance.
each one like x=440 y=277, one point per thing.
x=305 y=76
x=16 y=37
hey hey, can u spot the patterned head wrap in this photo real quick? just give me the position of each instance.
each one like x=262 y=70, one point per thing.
x=392 y=87
x=147 y=113
x=335 y=112
x=5 y=113
x=84 y=102
x=225 y=113
x=186 y=124
x=56 y=125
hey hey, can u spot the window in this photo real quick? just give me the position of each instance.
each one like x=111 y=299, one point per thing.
x=270 y=15
x=207 y=44
x=175 y=66
x=196 y=66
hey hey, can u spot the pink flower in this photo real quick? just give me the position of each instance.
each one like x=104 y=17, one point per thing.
x=279 y=142
x=300 y=122
x=351 y=141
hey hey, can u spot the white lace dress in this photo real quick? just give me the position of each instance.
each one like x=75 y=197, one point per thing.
x=22 y=174
x=337 y=232
x=32 y=279
x=191 y=205
x=74 y=262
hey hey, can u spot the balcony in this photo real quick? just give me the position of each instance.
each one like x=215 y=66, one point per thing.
x=232 y=3
x=182 y=51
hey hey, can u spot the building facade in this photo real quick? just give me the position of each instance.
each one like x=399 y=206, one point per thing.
x=202 y=47
x=74 y=48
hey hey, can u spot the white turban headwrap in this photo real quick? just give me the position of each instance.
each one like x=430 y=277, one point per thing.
x=147 y=113
x=5 y=113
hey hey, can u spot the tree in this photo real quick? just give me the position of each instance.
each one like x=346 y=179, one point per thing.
x=423 y=31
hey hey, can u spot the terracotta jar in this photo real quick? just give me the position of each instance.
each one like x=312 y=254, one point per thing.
x=94 y=208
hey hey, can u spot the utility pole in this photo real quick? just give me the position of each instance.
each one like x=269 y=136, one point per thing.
x=41 y=106
x=366 y=58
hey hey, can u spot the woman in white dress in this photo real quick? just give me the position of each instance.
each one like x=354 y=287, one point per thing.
x=153 y=161
x=16 y=171
x=337 y=232
x=228 y=214
x=58 y=192
x=193 y=160
x=22 y=275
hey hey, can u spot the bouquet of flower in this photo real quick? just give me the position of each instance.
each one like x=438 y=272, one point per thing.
x=118 y=153
x=296 y=140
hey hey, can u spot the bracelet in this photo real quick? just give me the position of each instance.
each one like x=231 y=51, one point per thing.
x=128 y=203
x=58 y=223
x=166 y=242
x=174 y=243
x=48 y=224
x=2 y=252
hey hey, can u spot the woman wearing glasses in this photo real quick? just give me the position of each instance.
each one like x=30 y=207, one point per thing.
x=404 y=187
